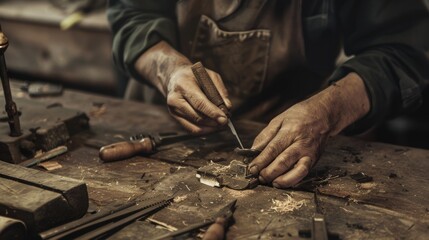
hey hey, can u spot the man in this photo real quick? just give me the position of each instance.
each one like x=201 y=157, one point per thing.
x=266 y=57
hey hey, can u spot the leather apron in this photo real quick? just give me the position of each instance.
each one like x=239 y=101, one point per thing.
x=254 y=46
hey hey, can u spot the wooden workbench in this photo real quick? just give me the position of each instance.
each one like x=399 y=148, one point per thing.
x=394 y=205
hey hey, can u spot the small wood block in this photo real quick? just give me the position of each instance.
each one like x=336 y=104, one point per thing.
x=41 y=200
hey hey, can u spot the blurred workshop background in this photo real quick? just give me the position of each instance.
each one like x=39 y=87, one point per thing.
x=68 y=42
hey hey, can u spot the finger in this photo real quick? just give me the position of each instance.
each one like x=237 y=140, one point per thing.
x=266 y=135
x=208 y=123
x=217 y=80
x=295 y=175
x=202 y=104
x=186 y=111
x=277 y=145
x=192 y=127
x=180 y=106
x=281 y=164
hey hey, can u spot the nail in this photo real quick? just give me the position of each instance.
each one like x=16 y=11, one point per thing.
x=276 y=185
x=222 y=120
x=228 y=103
x=253 y=170
x=261 y=179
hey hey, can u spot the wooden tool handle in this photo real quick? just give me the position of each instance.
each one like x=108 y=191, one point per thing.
x=208 y=87
x=123 y=150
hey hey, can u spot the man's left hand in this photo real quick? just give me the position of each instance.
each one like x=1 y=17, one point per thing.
x=292 y=142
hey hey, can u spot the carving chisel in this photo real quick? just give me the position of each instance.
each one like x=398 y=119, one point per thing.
x=209 y=89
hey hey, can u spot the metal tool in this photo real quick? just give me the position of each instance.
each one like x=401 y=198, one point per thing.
x=45 y=156
x=45 y=127
x=209 y=89
x=102 y=231
x=318 y=227
x=11 y=109
x=101 y=223
x=139 y=144
x=75 y=226
x=226 y=212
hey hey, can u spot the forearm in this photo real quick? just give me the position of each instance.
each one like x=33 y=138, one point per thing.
x=158 y=63
x=137 y=26
x=345 y=102
x=389 y=55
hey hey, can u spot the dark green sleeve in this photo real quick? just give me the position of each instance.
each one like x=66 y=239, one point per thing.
x=137 y=25
x=388 y=39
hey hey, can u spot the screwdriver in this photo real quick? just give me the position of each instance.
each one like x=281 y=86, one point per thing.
x=209 y=89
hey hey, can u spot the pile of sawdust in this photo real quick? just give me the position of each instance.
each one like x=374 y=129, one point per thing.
x=287 y=205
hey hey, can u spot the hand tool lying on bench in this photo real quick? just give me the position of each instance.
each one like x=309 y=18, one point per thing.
x=140 y=144
x=226 y=213
x=209 y=89
x=107 y=221
x=44 y=157
x=318 y=230
x=318 y=227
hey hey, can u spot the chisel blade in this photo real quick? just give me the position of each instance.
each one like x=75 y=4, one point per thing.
x=234 y=132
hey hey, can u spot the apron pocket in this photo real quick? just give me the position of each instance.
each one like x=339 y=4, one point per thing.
x=241 y=57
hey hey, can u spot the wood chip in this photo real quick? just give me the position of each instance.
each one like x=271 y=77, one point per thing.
x=50 y=165
x=163 y=225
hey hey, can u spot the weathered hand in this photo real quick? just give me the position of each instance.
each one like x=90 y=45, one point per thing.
x=291 y=144
x=189 y=105
x=170 y=72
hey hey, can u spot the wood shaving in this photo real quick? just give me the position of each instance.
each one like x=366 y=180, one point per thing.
x=98 y=111
x=180 y=198
x=162 y=225
x=369 y=185
x=50 y=165
x=287 y=205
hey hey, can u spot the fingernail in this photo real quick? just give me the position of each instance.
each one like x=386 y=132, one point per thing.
x=222 y=120
x=276 y=185
x=253 y=169
x=228 y=103
x=261 y=179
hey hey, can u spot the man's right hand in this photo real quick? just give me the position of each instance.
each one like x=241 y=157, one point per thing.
x=171 y=73
x=190 y=106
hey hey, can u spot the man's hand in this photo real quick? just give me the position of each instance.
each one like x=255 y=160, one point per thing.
x=292 y=142
x=171 y=73
x=190 y=106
